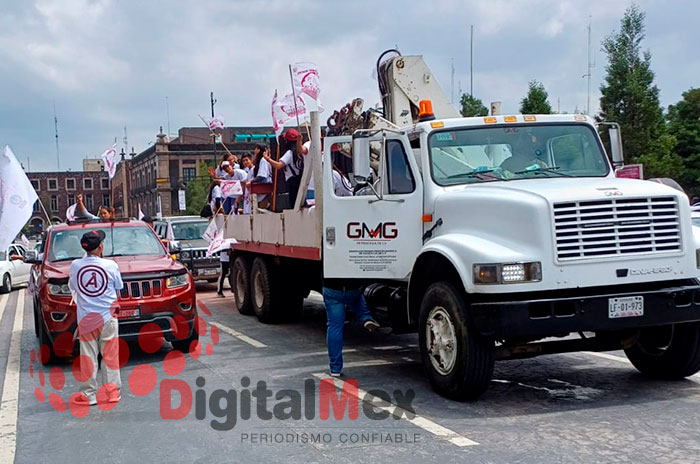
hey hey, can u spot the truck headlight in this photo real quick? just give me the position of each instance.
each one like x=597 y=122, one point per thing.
x=185 y=255
x=508 y=273
x=59 y=289
x=179 y=280
x=697 y=258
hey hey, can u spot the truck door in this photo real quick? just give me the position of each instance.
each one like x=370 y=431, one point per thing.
x=374 y=234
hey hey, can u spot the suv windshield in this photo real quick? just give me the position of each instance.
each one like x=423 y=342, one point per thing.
x=485 y=154
x=119 y=241
x=189 y=230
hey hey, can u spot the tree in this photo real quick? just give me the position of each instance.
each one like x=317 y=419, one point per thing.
x=662 y=161
x=684 y=124
x=197 y=190
x=472 y=106
x=629 y=96
x=535 y=102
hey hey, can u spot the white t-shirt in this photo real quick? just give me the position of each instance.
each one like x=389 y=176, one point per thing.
x=215 y=193
x=289 y=168
x=341 y=185
x=223 y=256
x=94 y=282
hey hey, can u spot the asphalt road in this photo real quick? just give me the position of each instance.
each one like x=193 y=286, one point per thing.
x=566 y=408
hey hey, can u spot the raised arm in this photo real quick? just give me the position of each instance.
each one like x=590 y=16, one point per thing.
x=273 y=163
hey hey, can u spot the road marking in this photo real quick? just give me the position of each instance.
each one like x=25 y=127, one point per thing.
x=390 y=347
x=242 y=337
x=417 y=420
x=612 y=357
x=325 y=352
x=10 y=389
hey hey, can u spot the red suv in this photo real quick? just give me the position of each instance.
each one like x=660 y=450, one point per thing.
x=157 y=288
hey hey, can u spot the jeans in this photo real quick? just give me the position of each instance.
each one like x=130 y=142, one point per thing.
x=229 y=205
x=336 y=301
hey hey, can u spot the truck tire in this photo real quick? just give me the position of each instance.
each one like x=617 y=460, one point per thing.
x=458 y=360
x=264 y=291
x=240 y=279
x=6 y=286
x=668 y=352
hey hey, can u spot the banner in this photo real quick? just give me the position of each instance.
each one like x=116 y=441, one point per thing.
x=231 y=188
x=208 y=234
x=110 y=159
x=216 y=122
x=306 y=82
x=218 y=242
x=284 y=109
x=70 y=213
x=17 y=198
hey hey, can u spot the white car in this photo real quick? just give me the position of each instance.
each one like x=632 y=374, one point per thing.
x=13 y=272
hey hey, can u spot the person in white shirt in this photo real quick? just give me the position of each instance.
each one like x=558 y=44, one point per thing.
x=292 y=161
x=227 y=158
x=261 y=173
x=216 y=197
x=94 y=283
x=341 y=185
x=231 y=173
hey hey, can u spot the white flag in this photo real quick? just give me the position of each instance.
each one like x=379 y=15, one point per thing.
x=141 y=215
x=25 y=241
x=216 y=122
x=306 y=82
x=70 y=213
x=284 y=109
x=169 y=234
x=110 y=159
x=219 y=243
x=17 y=198
x=208 y=234
x=279 y=119
x=231 y=188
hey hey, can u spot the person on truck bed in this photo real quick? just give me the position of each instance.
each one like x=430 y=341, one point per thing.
x=292 y=161
x=102 y=213
x=215 y=198
x=261 y=173
x=227 y=158
x=230 y=173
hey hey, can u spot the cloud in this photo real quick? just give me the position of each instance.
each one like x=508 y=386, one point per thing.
x=110 y=64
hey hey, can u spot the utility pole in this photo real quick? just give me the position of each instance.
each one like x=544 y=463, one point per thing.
x=55 y=127
x=167 y=113
x=591 y=65
x=452 y=87
x=126 y=141
x=471 y=62
x=213 y=102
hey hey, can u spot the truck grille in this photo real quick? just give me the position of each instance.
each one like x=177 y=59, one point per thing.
x=202 y=254
x=600 y=228
x=141 y=289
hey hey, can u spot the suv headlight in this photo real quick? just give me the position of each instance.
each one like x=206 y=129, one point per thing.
x=509 y=273
x=59 y=289
x=175 y=281
x=185 y=255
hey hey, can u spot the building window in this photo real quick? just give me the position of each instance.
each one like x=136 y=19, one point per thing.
x=89 y=204
x=87 y=183
x=53 y=184
x=70 y=184
x=54 y=202
x=35 y=184
x=71 y=199
x=105 y=200
x=105 y=183
x=189 y=174
x=37 y=207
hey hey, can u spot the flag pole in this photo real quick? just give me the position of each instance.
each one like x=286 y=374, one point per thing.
x=41 y=203
x=294 y=95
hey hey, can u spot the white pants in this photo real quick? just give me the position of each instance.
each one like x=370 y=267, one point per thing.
x=91 y=349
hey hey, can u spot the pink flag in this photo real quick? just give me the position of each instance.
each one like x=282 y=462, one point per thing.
x=109 y=158
x=231 y=188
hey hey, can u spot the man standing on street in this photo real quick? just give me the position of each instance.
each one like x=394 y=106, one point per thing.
x=94 y=282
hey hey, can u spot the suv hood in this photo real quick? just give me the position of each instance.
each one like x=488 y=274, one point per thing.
x=144 y=264
x=196 y=244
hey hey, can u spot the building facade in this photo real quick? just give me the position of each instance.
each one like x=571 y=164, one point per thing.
x=58 y=190
x=157 y=174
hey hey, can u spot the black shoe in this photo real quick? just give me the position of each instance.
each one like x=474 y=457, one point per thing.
x=220 y=293
x=371 y=325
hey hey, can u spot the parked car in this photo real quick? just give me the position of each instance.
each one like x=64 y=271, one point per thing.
x=156 y=289
x=13 y=271
x=187 y=231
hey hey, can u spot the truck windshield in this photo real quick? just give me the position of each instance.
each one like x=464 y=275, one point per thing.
x=119 y=241
x=487 y=154
x=189 y=230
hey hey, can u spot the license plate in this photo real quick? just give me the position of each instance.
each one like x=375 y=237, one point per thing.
x=629 y=306
x=209 y=271
x=129 y=313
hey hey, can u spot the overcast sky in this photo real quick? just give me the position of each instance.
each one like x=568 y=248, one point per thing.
x=108 y=64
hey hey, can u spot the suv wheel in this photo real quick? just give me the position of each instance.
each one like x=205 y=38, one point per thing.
x=668 y=352
x=458 y=360
x=6 y=284
x=264 y=291
x=240 y=280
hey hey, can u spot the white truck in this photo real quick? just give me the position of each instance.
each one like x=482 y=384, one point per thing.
x=493 y=237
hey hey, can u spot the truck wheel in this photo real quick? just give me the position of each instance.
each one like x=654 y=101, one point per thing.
x=459 y=361
x=668 y=352
x=184 y=345
x=240 y=278
x=6 y=286
x=264 y=291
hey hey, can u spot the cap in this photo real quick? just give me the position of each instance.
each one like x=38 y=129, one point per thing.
x=225 y=163
x=91 y=240
x=291 y=135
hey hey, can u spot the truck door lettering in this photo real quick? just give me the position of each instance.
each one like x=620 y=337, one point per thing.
x=383 y=230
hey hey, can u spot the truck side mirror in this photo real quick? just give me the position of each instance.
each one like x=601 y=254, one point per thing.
x=360 y=157
x=616 y=144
